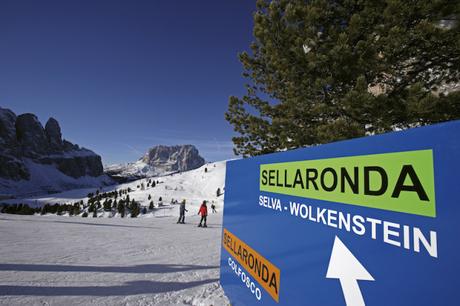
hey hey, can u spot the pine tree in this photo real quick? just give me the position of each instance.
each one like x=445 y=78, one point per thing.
x=107 y=205
x=121 y=208
x=131 y=204
x=134 y=209
x=55 y=208
x=76 y=209
x=323 y=70
x=149 y=197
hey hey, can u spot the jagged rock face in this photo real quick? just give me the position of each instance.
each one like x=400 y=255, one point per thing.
x=157 y=161
x=7 y=129
x=13 y=168
x=77 y=166
x=24 y=141
x=31 y=135
x=10 y=166
x=53 y=133
x=174 y=158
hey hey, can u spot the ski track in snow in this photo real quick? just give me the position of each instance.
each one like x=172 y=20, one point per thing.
x=150 y=260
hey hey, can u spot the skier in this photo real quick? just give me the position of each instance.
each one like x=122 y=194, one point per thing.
x=213 y=207
x=182 y=211
x=204 y=213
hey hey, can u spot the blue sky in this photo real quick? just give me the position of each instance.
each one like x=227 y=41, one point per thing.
x=122 y=76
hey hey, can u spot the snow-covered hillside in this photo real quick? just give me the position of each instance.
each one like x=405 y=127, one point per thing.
x=47 y=178
x=134 y=169
x=194 y=186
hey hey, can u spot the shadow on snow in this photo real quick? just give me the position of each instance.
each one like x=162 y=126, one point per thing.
x=129 y=288
x=82 y=223
x=150 y=268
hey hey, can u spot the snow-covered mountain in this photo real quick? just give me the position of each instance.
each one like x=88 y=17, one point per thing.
x=158 y=160
x=37 y=160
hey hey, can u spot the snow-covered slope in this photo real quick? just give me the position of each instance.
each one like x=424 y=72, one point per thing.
x=194 y=186
x=56 y=260
x=47 y=178
x=138 y=169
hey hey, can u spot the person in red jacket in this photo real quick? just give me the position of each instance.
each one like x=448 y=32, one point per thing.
x=204 y=213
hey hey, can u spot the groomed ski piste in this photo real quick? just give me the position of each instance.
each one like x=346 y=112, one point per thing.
x=109 y=260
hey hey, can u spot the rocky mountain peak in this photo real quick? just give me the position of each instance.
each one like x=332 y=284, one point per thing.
x=174 y=158
x=7 y=127
x=158 y=160
x=31 y=135
x=53 y=133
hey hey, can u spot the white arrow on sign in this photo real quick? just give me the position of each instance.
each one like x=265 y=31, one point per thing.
x=344 y=266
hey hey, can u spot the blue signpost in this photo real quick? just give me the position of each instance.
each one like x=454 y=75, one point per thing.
x=368 y=221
